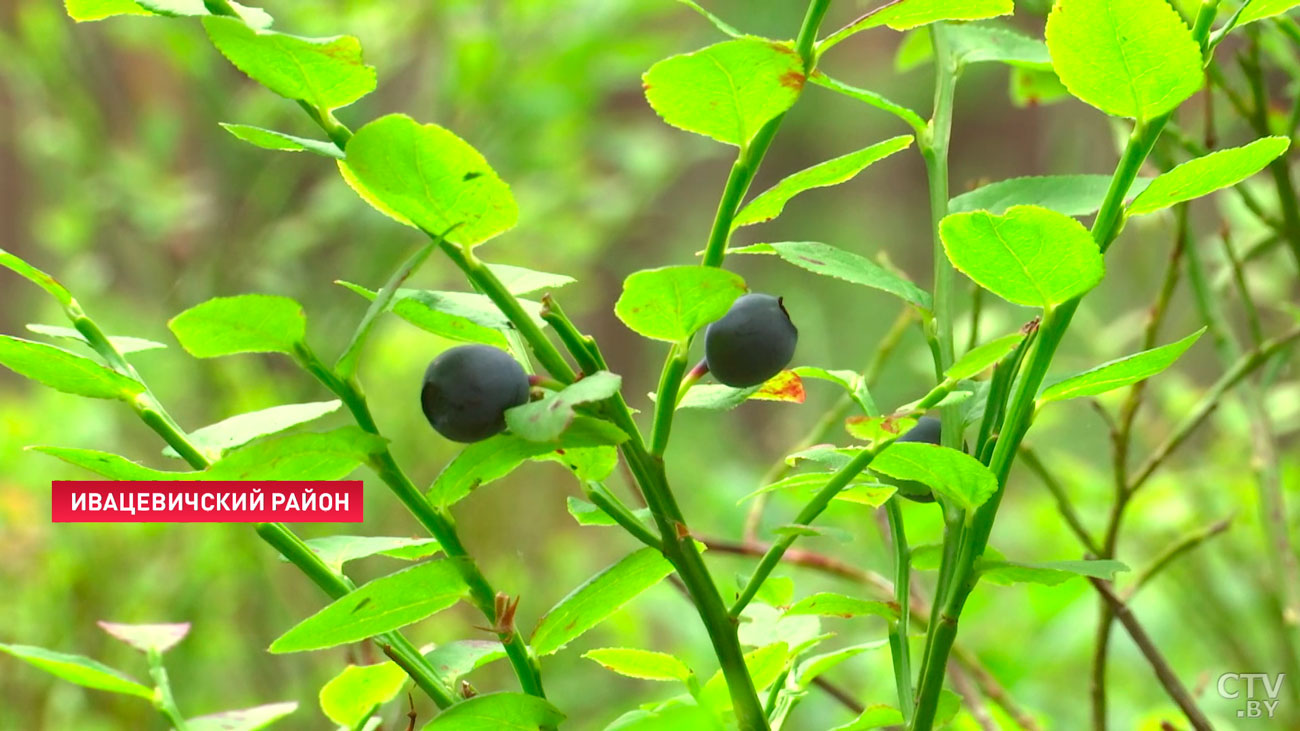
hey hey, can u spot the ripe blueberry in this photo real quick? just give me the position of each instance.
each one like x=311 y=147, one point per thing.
x=751 y=343
x=927 y=430
x=467 y=390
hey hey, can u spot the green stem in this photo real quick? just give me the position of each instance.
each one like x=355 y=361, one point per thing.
x=670 y=383
x=898 y=629
x=163 y=699
x=437 y=521
x=1279 y=168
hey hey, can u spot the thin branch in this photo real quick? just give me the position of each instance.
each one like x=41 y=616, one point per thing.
x=1171 y=553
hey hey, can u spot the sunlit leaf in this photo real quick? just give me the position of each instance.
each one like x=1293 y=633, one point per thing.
x=385 y=604
x=497 y=711
x=336 y=551
x=1204 y=175
x=246 y=323
x=330 y=455
x=976 y=360
x=908 y=14
x=351 y=696
x=955 y=475
x=80 y=670
x=457 y=659
x=1129 y=58
x=247 y=719
x=122 y=343
x=269 y=139
x=1050 y=573
x=642 y=664
x=546 y=419
x=599 y=597
x=1121 y=372
x=829 y=261
x=65 y=371
x=673 y=302
x=828 y=604
x=1072 y=195
x=243 y=428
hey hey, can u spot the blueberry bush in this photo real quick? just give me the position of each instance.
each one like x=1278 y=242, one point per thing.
x=1014 y=264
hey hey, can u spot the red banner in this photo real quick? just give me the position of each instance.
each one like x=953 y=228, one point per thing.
x=289 y=501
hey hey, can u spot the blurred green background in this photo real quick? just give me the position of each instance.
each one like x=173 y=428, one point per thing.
x=115 y=177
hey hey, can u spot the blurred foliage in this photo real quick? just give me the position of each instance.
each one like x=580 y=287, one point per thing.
x=117 y=178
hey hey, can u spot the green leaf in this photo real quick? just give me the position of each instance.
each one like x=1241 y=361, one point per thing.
x=642 y=664
x=330 y=455
x=955 y=475
x=83 y=10
x=64 y=371
x=326 y=73
x=1029 y=255
x=497 y=711
x=336 y=551
x=519 y=281
x=351 y=696
x=385 y=604
x=765 y=667
x=1050 y=573
x=1072 y=195
x=675 y=714
x=868 y=491
x=241 y=429
x=1261 y=9
x=1206 y=174
x=1030 y=88
x=586 y=463
x=908 y=14
x=460 y=316
x=726 y=91
x=247 y=719
x=492 y=459
x=769 y=204
x=112 y=466
x=246 y=323
x=827 y=604
x=673 y=302
x=457 y=659
x=36 y=276
x=432 y=178
x=269 y=139
x=147 y=637
x=974 y=362
x=1121 y=372
x=586 y=513
x=975 y=43
x=828 y=261
x=869 y=98
x=598 y=598
x=80 y=670
x=122 y=343
x=874 y=716
x=810 y=668
x=1128 y=58
x=546 y=419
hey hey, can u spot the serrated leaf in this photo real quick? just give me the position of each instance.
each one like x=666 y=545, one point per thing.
x=828 y=261
x=770 y=203
x=457 y=659
x=1121 y=372
x=494 y=458
x=112 y=466
x=124 y=344
x=1204 y=175
x=546 y=419
x=330 y=455
x=519 y=281
x=1030 y=256
x=460 y=316
x=336 y=551
x=1072 y=195
x=269 y=139
x=586 y=513
x=977 y=359
x=351 y=696
x=726 y=91
x=597 y=598
x=80 y=670
x=1128 y=58
x=1261 y=9
x=1050 y=573
x=326 y=73
x=432 y=178
x=241 y=429
x=147 y=637
x=496 y=711
x=828 y=604
x=65 y=371
x=247 y=719
x=247 y=323
x=955 y=475
x=385 y=604
x=812 y=667
x=908 y=14
x=642 y=664
x=671 y=303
